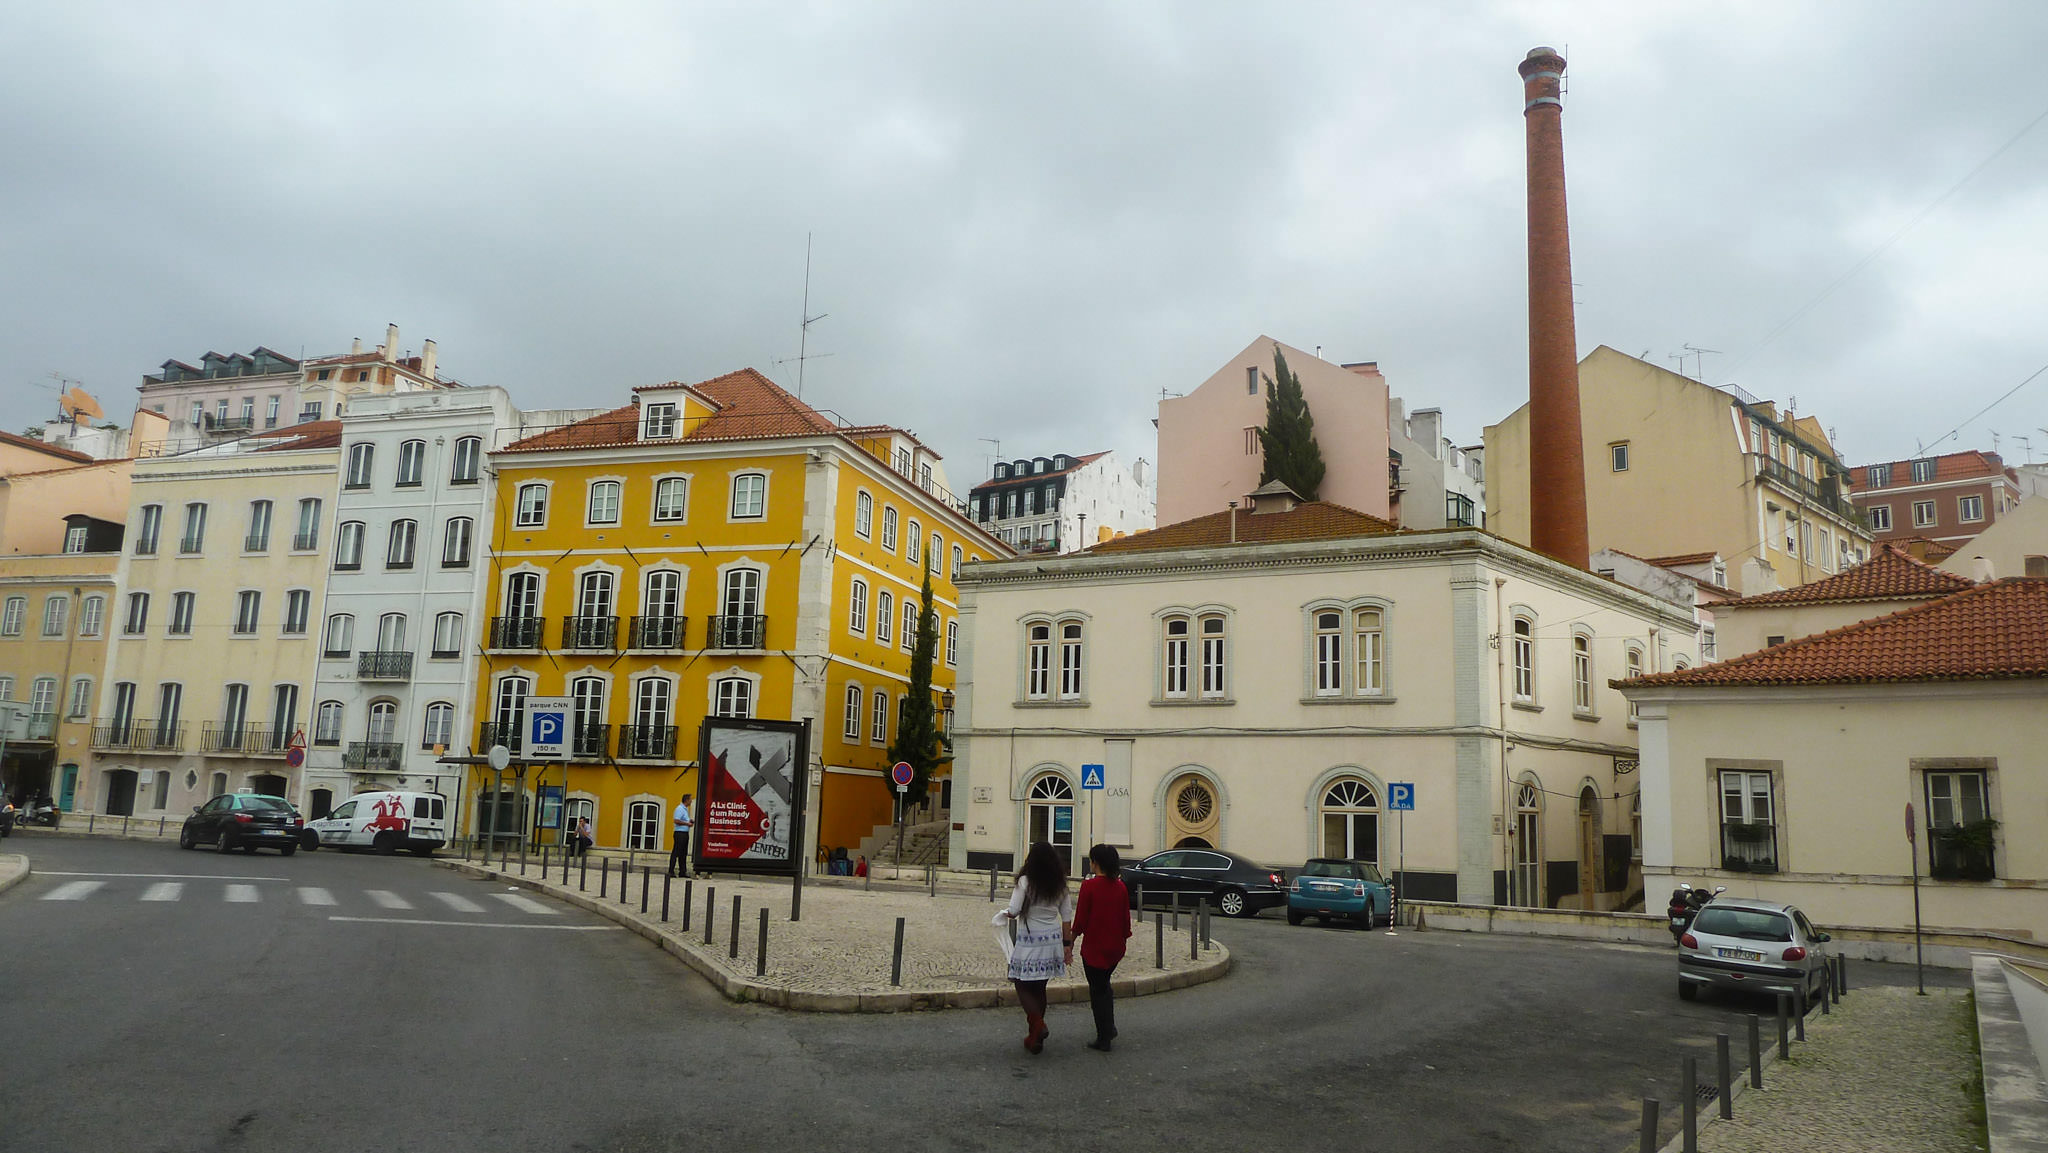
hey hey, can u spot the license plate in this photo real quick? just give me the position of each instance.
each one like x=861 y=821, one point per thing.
x=1322 y=887
x=1739 y=954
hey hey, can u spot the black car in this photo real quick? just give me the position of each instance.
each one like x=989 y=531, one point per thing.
x=242 y=821
x=1236 y=886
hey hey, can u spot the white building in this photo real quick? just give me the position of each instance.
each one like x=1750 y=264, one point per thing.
x=1253 y=680
x=1436 y=483
x=1061 y=503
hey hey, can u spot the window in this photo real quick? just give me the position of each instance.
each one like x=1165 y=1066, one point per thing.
x=910 y=626
x=1251 y=380
x=307 y=538
x=1805 y=539
x=1525 y=659
x=878 y=719
x=2036 y=566
x=1970 y=508
x=853 y=713
x=149 y=529
x=889 y=529
x=1617 y=456
x=92 y=611
x=270 y=408
x=248 y=607
x=348 y=546
x=455 y=538
x=671 y=499
x=604 y=502
x=74 y=538
x=81 y=698
x=1923 y=513
x=740 y=605
x=181 y=614
x=735 y=697
x=360 y=459
x=383 y=728
x=508 y=712
x=234 y=714
x=220 y=411
x=595 y=606
x=284 y=716
x=933 y=553
x=532 y=511
x=1880 y=517
x=1960 y=831
x=1070 y=661
x=194 y=539
x=1923 y=471
x=749 y=496
x=643 y=826
x=857 y=608
x=447 y=635
x=138 y=615
x=1350 y=817
x=42 y=699
x=1329 y=653
x=957 y=556
x=298 y=606
x=590 y=732
x=198 y=411
x=469 y=452
x=1214 y=682
x=340 y=638
x=56 y=614
x=1368 y=649
x=660 y=420
x=910 y=540
x=398 y=552
x=327 y=723
x=1582 y=672
x=1038 y=662
x=439 y=729
x=952 y=643
x=1749 y=835
x=885 y=612
x=1634 y=662
x=248 y=416
x=169 y=696
x=1878 y=475
x=652 y=700
x=903 y=461
x=864 y=515
x=16 y=612
x=1251 y=441
x=412 y=463
x=1176 y=657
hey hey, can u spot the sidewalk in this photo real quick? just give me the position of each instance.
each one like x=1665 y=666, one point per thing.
x=837 y=959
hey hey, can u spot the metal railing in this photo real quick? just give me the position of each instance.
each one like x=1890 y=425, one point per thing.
x=1749 y=846
x=191 y=545
x=590 y=633
x=256 y=542
x=737 y=632
x=662 y=632
x=590 y=742
x=516 y=632
x=384 y=665
x=305 y=541
x=374 y=756
x=490 y=733
x=1826 y=494
x=647 y=742
x=246 y=739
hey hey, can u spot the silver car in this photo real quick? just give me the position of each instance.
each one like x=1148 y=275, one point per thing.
x=1759 y=946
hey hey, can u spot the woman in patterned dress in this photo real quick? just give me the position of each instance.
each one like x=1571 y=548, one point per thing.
x=1041 y=913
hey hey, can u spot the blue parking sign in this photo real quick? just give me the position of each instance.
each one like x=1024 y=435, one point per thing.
x=1400 y=797
x=547 y=729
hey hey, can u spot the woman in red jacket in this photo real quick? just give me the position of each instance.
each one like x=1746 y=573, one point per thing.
x=1102 y=920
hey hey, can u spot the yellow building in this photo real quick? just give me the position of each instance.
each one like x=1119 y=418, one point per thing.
x=53 y=651
x=712 y=549
x=1674 y=466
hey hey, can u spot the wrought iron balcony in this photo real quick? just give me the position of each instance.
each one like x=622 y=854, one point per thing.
x=374 y=756
x=190 y=545
x=305 y=541
x=233 y=423
x=1826 y=493
x=223 y=738
x=737 y=632
x=591 y=742
x=384 y=665
x=256 y=542
x=647 y=742
x=140 y=735
x=516 y=632
x=662 y=632
x=590 y=633
x=490 y=733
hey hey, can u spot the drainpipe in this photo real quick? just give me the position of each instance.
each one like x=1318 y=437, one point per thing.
x=1500 y=692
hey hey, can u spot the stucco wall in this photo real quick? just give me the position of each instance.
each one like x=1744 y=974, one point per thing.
x=1741 y=631
x=32 y=518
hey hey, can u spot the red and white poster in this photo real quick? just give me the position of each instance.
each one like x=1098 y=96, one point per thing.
x=750 y=795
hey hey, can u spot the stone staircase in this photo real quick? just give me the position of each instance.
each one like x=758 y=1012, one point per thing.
x=927 y=841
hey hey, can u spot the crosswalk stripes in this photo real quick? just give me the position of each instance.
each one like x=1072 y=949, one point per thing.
x=236 y=891
x=525 y=904
x=459 y=903
x=73 y=890
x=240 y=894
x=164 y=891
x=387 y=899
x=311 y=896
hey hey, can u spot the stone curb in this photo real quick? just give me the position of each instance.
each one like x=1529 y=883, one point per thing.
x=746 y=989
x=13 y=870
x=1710 y=1111
x=104 y=833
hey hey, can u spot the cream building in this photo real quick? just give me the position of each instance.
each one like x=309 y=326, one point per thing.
x=1889 y=581
x=1255 y=679
x=1785 y=774
x=217 y=626
x=1674 y=466
x=2016 y=546
x=53 y=650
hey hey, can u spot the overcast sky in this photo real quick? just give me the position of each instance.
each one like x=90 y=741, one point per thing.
x=1029 y=219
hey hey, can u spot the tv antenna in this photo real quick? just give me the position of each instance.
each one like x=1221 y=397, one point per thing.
x=803 y=340
x=997 y=443
x=1699 y=363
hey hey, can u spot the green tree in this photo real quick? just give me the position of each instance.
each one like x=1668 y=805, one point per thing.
x=1289 y=438
x=917 y=731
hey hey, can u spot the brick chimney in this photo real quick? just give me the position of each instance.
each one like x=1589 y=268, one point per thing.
x=1557 y=466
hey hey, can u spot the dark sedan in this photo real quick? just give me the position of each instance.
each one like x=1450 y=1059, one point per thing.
x=242 y=821
x=1238 y=887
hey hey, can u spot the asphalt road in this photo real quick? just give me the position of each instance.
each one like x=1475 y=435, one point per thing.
x=421 y=1010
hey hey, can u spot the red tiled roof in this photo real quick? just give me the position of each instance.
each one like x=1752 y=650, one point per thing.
x=299 y=437
x=1995 y=631
x=30 y=442
x=750 y=407
x=1036 y=476
x=619 y=426
x=1949 y=466
x=1675 y=561
x=1310 y=520
x=1888 y=575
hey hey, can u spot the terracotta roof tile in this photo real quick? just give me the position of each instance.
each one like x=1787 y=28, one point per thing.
x=1311 y=520
x=1675 y=561
x=299 y=437
x=750 y=407
x=30 y=442
x=1996 y=631
x=619 y=426
x=1948 y=466
x=1888 y=575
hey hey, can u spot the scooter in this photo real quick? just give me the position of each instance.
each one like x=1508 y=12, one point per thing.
x=40 y=811
x=1686 y=902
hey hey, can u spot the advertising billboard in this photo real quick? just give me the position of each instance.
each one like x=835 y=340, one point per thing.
x=750 y=795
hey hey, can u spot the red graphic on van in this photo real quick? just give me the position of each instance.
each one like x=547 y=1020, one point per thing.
x=390 y=815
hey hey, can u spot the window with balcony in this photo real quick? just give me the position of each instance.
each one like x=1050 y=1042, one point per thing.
x=660 y=624
x=594 y=626
x=740 y=624
x=194 y=540
x=307 y=538
x=137 y=620
x=412 y=464
x=361 y=458
x=467 y=461
x=651 y=736
x=148 y=529
x=1749 y=831
x=182 y=604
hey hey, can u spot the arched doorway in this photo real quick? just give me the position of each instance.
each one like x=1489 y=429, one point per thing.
x=1192 y=813
x=1051 y=816
x=1526 y=882
x=1349 y=814
x=120 y=792
x=1589 y=847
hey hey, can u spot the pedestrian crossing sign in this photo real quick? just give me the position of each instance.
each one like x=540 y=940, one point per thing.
x=1091 y=776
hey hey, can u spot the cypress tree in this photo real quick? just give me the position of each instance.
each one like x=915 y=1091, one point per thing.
x=917 y=733
x=1289 y=438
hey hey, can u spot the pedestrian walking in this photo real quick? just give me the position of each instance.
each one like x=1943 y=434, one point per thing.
x=679 y=857
x=1040 y=916
x=1102 y=920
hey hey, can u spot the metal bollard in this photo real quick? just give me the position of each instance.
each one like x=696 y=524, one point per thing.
x=582 y=870
x=1689 y=1084
x=468 y=847
x=1756 y=1052
x=646 y=879
x=504 y=855
x=160 y=826
x=544 y=861
x=1159 y=942
x=932 y=880
x=1138 y=902
x=1208 y=921
x=761 y=946
x=1842 y=963
x=734 y=951
x=1195 y=934
x=604 y=878
x=896 y=962
x=1724 y=1076
x=991 y=884
x=124 y=825
x=1647 y=1143
x=710 y=910
x=666 y=879
x=1784 y=1025
x=1827 y=992
x=1176 y=912
x=688 y=884
x=1804 y=1008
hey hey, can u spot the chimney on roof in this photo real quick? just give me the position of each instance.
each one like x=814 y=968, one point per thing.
x=355 y=346
x=1557 y=466
x=1233 y=522
x=428 y=354
x=391 y=343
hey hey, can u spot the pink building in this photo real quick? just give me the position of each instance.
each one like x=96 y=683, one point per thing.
x=1209 y=450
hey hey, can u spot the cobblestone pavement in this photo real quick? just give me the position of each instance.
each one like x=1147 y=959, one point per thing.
x=842 y=948
x=1890 y=1070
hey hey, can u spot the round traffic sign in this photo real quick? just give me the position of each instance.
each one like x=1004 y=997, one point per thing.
x=499 y=756
x=903 y=774
x=295 y=756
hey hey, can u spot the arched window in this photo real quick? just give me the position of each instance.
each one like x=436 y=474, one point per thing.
x=508 y=713
x=341 y=633
x=864 y=516
x=878 y=719
x=412 y=463
x=749 y=496
x=1070 y=660
x=404 y=542
x=348 y=546
x=447 y=635
x=439 y=729
x=910 y=539
x=1050 y=814
x=391 y=633
x=455 y=540
x=671 y=499
x=1349 y=814
x=587 y=739
x=909 y=624
x=889 y=528
x=1038 y=664
x=652 y=735
x=1369 y=647
x=1525 y=659
x=643 y=826
x=740 y=625
x=531 y=508
x=956 y=562
x=885 y=613
x=1174 y=658
x=854 y=715
x=469 y=452
x=661 y=608
x=383 y=729
x=1215 y=654
x=1329 y=624
x=735 y=697
x=857 y=607
x=1192 y=814
x=593 y=626
x=952 y=643
x=1635 y=669
x=1582 y=672
x=360 y=459
x=1528 y=856
x=604 y=502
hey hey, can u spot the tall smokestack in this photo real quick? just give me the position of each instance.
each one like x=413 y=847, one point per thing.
x=1557 y=464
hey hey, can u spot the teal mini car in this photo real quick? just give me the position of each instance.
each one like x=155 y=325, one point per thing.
x=1330 y=889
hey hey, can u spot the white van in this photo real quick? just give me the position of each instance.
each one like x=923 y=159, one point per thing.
x=385 y=822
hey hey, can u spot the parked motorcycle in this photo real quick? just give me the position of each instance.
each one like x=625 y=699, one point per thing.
x=1686 y=902
x=41 y=811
